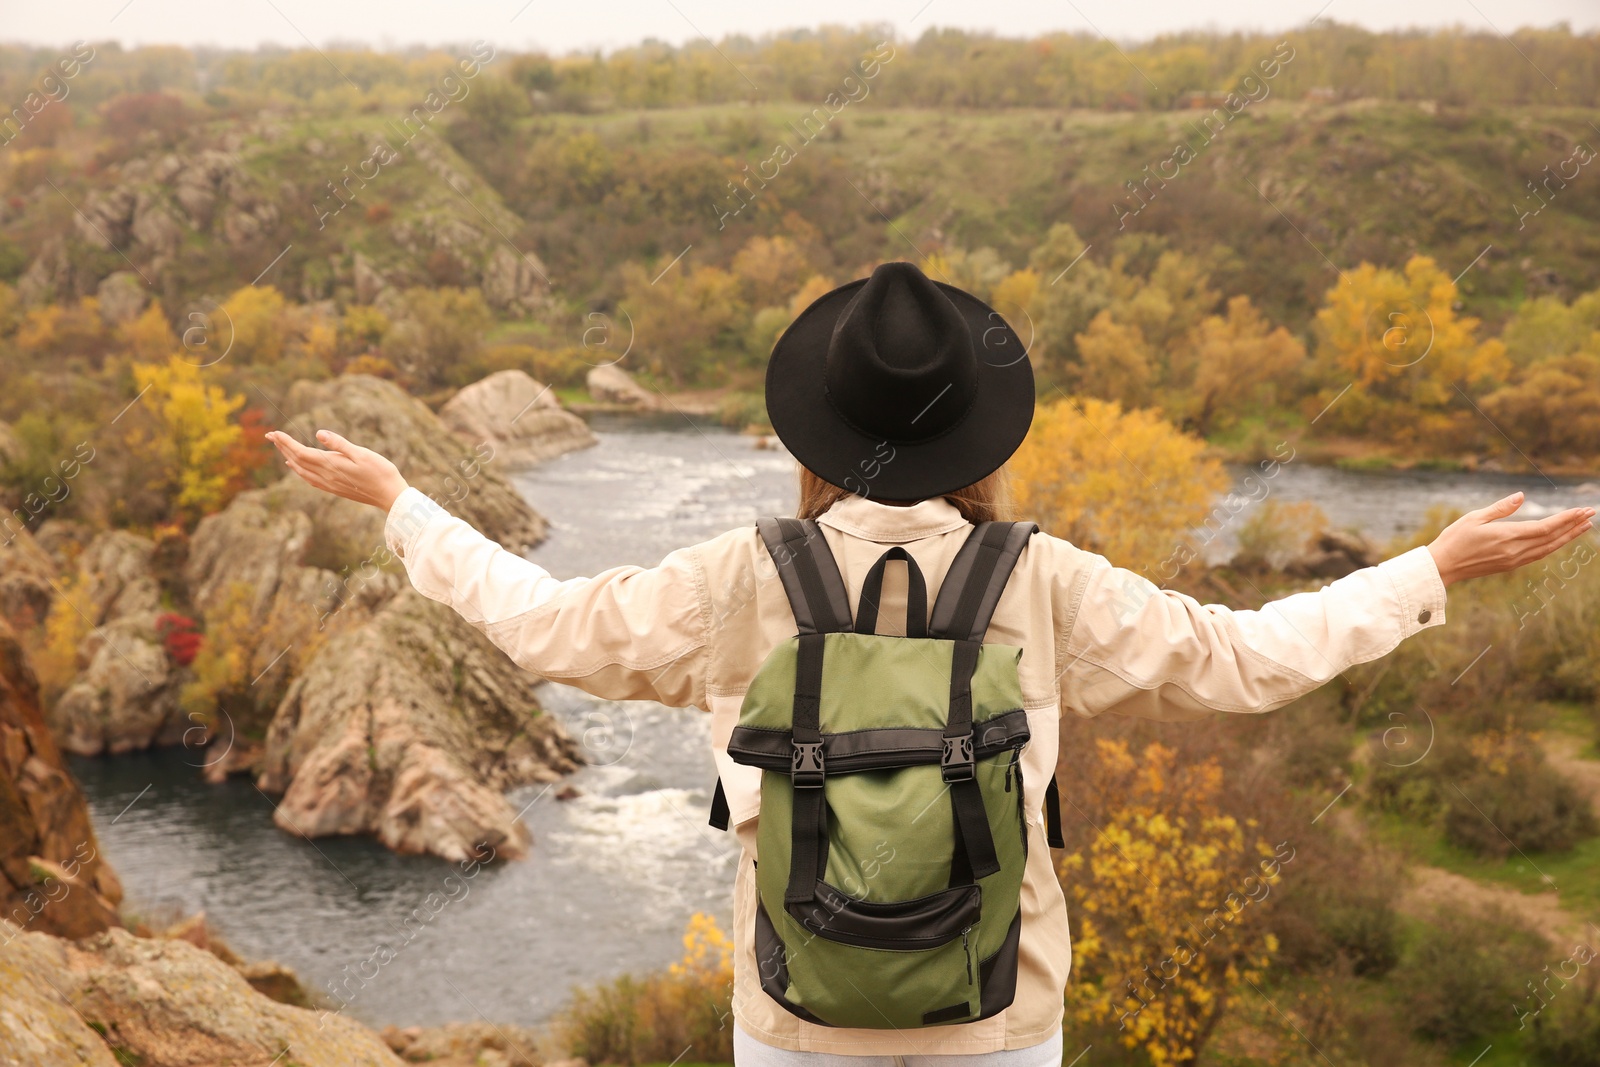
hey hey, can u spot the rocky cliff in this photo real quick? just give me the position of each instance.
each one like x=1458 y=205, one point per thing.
x=379 y=711
x=366 y=707
x=52 y=877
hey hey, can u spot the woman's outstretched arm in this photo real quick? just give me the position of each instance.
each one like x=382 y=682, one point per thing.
x=1133 y=649
x=629 y=633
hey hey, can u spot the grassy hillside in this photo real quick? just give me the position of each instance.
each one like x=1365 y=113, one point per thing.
x=1360 y=181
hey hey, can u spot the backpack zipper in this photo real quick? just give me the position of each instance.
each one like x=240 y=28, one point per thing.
x=967 y=948
x=1016 y=757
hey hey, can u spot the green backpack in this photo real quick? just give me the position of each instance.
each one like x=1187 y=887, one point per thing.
x=892 y=837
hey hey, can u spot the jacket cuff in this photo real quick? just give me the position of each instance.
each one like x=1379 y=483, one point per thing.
x=409 y=515
x=1421 y=594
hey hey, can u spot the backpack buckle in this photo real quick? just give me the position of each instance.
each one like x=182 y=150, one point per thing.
x=806 y=766
x=955 y=762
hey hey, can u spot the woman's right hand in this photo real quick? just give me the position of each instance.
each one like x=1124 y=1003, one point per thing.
x=1476 y=545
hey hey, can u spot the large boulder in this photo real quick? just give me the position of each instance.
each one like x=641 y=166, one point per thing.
x=610 y=384
x=125 y=694
x=383 y=417
x=521 y=420
x=1334 y=554
x=52 y=876
x=411 y=727
x=117 y=999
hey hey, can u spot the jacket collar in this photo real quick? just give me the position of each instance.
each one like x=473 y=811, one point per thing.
x=888 y=524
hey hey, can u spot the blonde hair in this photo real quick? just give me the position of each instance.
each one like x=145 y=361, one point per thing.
x=985 y=500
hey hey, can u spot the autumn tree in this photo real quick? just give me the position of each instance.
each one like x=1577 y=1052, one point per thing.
x=1241 y=364
x=194 y=438
x=1396 y=338
x=1126 y=484
x=682 y=317
x=1114 y=363
x=1071 y=290
x=1169 y=897
x=769 y=270
x=437 y=335
x=1551 y=407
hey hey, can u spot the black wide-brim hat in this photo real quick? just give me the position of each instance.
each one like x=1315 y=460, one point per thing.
x=897 y=387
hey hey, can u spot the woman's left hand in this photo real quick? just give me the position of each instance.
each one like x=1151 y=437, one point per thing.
x=342 y=468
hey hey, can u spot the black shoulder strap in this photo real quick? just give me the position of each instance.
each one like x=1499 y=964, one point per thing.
x=810 y=576
x=977 y=577
x=1052 y=815
x=719 y=807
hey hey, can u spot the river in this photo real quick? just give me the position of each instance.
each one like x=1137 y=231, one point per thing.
x=615 y=873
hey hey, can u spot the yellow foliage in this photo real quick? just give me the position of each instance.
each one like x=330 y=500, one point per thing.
x=815 y=287
x=259 y=324
x=56 y=663
x=1167 y=899
x=148 y=338
x=364 y=324
x=768 y=268
x=1128 y=485
x=196 y=435
x=1014 y=293
x=707 y=952
x=1397 y=335
x=1114 y=362
x=63 y=330
x=1239 y=361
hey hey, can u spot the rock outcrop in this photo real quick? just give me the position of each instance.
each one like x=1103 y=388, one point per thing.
x=411 y=727
x=383 y=417
x=1334 y=554
x=521 y=420
x=611 y=384
x=27 y=578
x=125 y=696
x=383 y=712
x=52 y=877
x=118 y=999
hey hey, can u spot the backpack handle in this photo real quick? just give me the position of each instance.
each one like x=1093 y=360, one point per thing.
x=872 y=593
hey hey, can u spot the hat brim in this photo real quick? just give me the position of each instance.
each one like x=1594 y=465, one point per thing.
x=819 y=437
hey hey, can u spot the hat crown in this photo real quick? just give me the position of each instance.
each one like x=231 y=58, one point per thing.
x=900 y=363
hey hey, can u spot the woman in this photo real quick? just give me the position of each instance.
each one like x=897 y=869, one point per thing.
x=901 y=399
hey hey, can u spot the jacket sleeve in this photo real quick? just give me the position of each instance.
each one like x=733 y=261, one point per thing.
x=629 y=633
x=1131 y=648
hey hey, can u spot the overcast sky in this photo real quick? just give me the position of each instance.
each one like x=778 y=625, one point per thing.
x=564 y=25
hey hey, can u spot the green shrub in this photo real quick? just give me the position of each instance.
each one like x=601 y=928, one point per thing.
x=1567 y=1033
x=1466 y=971
x=1338 y=908
x=1514 y=800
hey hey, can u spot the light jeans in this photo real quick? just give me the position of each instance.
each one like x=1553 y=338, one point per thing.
x=748 y=1052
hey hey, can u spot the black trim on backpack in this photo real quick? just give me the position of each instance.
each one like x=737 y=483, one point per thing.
x=998 y=973
x=880 y=748
x=772 y=965
x=926 y=922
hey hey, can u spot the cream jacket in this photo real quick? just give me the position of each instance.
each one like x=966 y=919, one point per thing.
x=693 y=630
